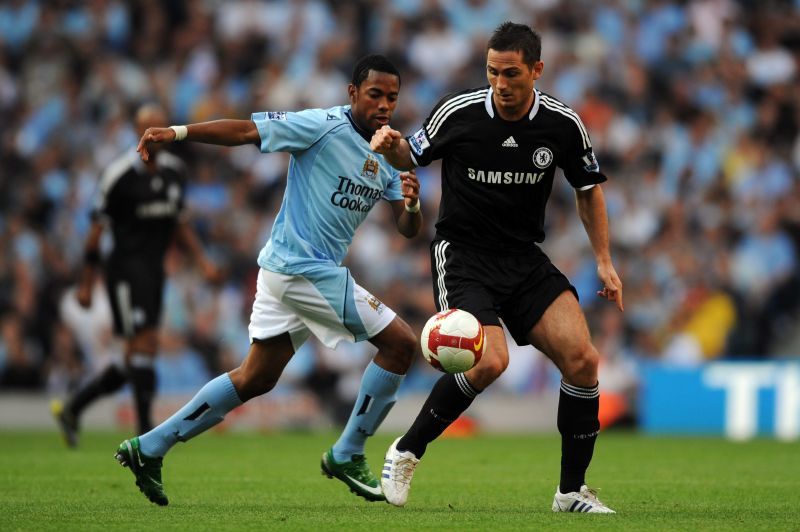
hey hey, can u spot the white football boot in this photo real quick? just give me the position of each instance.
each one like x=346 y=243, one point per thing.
x=398 y=468
x=585 y=501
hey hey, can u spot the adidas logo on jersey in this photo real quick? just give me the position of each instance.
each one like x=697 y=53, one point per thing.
x=510 y=143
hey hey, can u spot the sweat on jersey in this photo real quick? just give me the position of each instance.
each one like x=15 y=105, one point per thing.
x=497 y=175
x=334 y=180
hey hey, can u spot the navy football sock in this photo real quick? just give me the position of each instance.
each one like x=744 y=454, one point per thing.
x=579 y=425
x=449 y=398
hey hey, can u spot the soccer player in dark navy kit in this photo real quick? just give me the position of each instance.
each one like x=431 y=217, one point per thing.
x=500 y=147
x=142 y=202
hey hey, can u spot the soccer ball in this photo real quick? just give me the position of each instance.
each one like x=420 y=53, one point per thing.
x=452 y=341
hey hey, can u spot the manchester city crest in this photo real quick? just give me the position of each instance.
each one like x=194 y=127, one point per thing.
x=375 y=303
x=371 y=167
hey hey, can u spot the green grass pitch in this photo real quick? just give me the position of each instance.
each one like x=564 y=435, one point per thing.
x=252 y=481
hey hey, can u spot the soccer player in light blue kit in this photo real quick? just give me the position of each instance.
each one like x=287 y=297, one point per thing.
x=334 y=180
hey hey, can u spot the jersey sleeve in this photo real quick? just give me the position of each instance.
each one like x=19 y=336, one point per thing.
x=107 y=196
x=289 y=131
x=430 y=142
x=394 y=188
x=580 y=165
x=100 y=205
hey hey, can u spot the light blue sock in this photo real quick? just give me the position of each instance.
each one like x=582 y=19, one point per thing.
x=376 y=397
x=206 y=409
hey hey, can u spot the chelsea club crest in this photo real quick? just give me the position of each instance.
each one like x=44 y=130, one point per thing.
x=542 y=157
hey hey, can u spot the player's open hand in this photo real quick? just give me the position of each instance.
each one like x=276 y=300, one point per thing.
x=154 y=135
x=612 y=286
x=211 y=272
x=384 y=139
x=84 y=295
x=410 y=187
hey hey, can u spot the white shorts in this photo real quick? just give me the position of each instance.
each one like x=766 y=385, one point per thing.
x=325 y=302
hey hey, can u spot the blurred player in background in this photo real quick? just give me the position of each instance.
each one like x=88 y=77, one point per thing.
x=334 y=180
x=501 y=145
x=142 y=203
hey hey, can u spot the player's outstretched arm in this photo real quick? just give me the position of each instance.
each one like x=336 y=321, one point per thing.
x=407 y=213
x=189 y=239
x=592 y=210
x=391 y=144
x=221 y=132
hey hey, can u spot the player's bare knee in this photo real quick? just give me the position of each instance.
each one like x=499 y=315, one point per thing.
x=145 y=341
x=487 y=371
x=397 y=347
x=397 y=356
x=580 y=368
x=407 y=348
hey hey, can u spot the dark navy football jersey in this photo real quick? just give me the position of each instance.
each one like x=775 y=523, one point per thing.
x=497 y=175
x=142 y=208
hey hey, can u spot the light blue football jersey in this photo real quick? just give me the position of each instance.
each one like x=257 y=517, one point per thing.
x=334 y=180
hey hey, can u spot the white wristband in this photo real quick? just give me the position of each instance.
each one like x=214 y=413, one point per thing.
x=180 y=132
x=414 y=209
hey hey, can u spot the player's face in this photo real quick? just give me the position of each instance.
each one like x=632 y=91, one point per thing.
x=374 y=101
x=512 y=81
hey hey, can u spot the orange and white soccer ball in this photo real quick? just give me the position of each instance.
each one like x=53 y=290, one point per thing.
x=452 y=341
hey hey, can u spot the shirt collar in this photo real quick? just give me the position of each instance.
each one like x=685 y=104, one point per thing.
x=364 y=134
x=490 y=107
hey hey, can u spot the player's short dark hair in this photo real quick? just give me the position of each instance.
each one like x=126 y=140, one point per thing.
x=511 y=37
x=374 y=62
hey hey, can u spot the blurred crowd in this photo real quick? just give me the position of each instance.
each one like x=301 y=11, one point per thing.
x=693 y=109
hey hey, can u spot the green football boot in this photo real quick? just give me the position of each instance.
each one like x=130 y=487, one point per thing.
x=146 y=469
x=355 y=474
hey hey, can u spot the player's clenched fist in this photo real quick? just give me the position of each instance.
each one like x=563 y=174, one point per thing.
x=154 y=135
x=383 y=139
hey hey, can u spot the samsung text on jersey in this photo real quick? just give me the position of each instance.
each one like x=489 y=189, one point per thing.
x=505 y=178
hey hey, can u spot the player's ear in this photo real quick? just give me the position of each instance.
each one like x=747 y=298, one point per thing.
x=538 y=68
x=352 y=90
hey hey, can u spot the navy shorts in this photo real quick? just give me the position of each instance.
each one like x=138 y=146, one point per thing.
x=136 y=295
x=517 y=288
